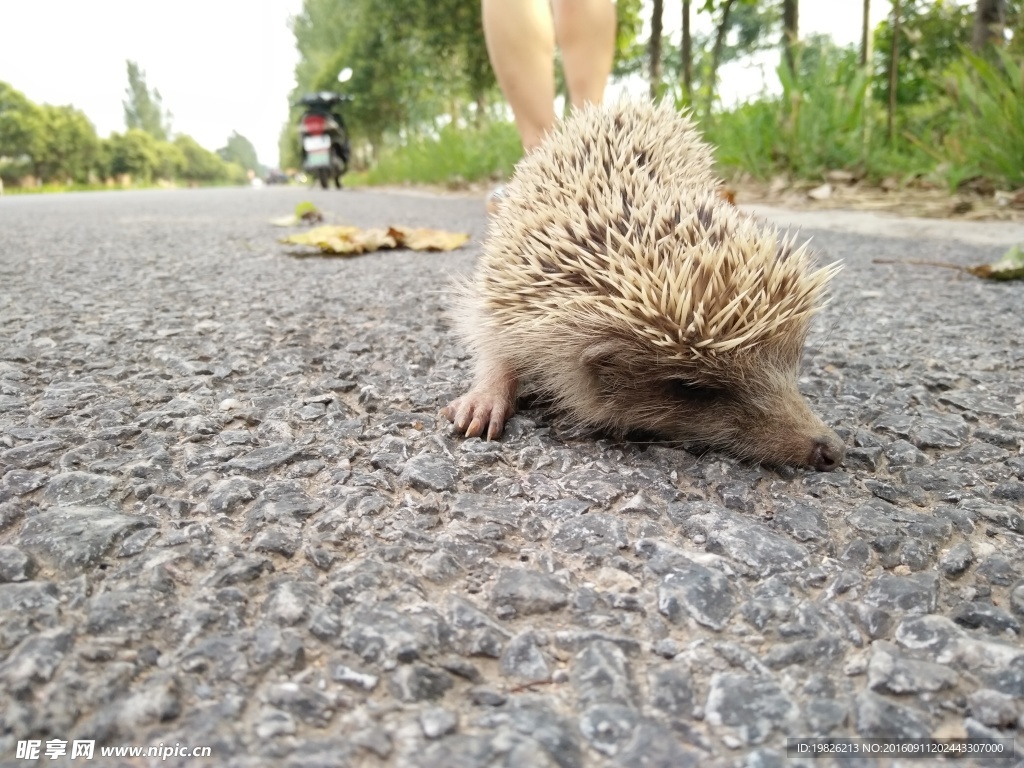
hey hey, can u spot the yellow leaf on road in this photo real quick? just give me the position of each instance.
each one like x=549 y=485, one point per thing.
x=322 y=237
x=428 y=239
x=349 y=241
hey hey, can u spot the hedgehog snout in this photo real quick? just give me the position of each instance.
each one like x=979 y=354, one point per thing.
x=827 y=453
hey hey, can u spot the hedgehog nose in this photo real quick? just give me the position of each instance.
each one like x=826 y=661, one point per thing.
x=826 y=454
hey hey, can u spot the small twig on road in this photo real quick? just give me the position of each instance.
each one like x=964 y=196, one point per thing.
x=922 y=263
x=529 y=686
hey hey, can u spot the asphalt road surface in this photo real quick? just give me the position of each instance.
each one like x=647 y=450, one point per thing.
x=231 y=518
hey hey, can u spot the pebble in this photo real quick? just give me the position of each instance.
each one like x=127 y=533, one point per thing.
x=437 y=722
x=751 y=705
x=263 y=459
x=528 y=592
x=986 y=616
x=522 y=659
x=426 y=472
x=609 y=727
x=917 y=593
x=72 y=538
x=889 y=672
x=601 y=672
x=15 y=565
x=956 y=559
x=992 y=708
x=700 y=593
x=304 y=702
x=877 y=717
x=418 y=682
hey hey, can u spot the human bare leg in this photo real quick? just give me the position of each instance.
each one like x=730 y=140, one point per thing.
x=585 y=31
x=520 y=37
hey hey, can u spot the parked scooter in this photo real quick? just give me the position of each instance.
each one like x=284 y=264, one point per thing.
x=325 y=145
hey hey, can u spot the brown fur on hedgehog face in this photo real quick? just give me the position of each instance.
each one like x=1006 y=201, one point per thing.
x=766 y=420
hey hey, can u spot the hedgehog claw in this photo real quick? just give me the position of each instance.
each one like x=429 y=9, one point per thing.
x=495 y=429
x=478 y=414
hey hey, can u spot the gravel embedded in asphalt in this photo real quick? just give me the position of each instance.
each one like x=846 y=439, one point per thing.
x=231 y=516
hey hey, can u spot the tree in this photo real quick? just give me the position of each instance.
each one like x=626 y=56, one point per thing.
x=790 y=30
x=417 y=64
x=393 y=78
x=629 y=22
x=239 y=150
x=865 y=34
x=932 y=36
x=412 y=61
x=19 y=118
x=133 y=153
x=200 y=164
x=686 y=54
x=144 y=109
x=451 y=31
x=654 y=48
x=170 y=161
x=741 y=27
x=894 y=53
x=20 y=123
x=721 y=31
x=989 y=24
x=629 y=52
x=65 y=146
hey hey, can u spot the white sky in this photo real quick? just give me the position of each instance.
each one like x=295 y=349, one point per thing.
x=220 y=65
x=226 y=65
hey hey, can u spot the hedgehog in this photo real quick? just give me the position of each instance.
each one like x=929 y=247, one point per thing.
x=617 y=284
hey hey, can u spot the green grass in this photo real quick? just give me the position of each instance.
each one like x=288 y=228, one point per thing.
x=987 y=134
x=826 y=120
x=454 y=156
x=53 y=188
x=49 y=189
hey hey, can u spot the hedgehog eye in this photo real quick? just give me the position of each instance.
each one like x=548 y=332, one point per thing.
x=689 y=392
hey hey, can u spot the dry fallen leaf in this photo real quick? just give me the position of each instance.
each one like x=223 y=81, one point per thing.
x=1009 y=267
x=374 y=239
x=428 y=239
x=328 y=238
x=349 y=241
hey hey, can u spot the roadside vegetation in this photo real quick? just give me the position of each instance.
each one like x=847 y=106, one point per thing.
x=933 y=96
x=453 y=156
x=47 y=148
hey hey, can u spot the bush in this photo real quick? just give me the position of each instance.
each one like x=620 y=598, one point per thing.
x=453 y=154
x=133 y=153
x=201 y=165
x=170 y=160
x=986 y=136
x=823 y=120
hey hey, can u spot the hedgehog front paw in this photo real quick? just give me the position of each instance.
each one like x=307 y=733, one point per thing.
x=478 y=412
